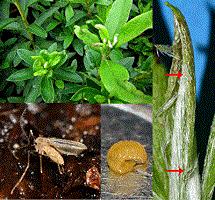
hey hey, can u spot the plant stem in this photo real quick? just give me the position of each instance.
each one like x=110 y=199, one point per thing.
x=25 y=22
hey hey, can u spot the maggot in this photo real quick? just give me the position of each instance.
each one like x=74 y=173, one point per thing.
x=53 y=148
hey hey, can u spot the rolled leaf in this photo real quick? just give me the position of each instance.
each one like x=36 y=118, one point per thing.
x=208 y=178
x=181 y=136
x=178 y=148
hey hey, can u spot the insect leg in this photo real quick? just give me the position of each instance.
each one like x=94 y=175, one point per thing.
x=166 y=49
x=22 y=121
x=60 y=169
x=22 y=174
x=63 y=169
x=41 y=167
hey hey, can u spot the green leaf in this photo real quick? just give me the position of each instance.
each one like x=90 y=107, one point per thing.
x=128 y=63
x=59 y=84
x=94 y=56
x=67 y=41
x=115 y=79
x=14 y=26
x=10 y=56
x=208 y=183
x=34 y=91
x=86 y=94
x=78 y=46
x=116 y=55
x=59 y=16
x=41 y=72
x=46 y=3
x=37 y=30
x=4 y=10
x=15 y=99
x=45 y=15
x=78 y=15
x=62 y=74
x=10 y=41
x=52 y=48
x=100 y=99
x=47 y=89
x=161 y=180
x=37 y=66
x=87 y=37
x=117 y=16
x=78 y=1
x=54 y=58
x=17 y=60
x=70 y=88
x=103 y=32
x=63 y=59
x=21 y=75
x=96 y=81
x=135 y=27
x=30 y=2
x=52 y=25
x=5 y=22
x=73 y=66
x=25 y=55
x=69 y=13
x=104 y=2
x=102 y=12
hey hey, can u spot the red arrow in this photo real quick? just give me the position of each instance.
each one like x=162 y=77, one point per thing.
x=179 y=170
x=178 y=74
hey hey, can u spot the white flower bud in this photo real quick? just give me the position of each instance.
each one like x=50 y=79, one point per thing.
x=46 y=65
x=109 y=44
x=115 y=39
x=97 y=44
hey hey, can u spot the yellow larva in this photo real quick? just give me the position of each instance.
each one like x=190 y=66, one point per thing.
x=126 y=156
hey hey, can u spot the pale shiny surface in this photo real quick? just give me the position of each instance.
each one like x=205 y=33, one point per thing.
x=118 y=125
x=125 y=155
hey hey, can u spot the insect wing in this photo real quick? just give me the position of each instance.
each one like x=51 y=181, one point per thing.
x=67 y=147
x=165 y=49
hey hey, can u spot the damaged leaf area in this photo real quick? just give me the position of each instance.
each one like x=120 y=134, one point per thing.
x=177 y=117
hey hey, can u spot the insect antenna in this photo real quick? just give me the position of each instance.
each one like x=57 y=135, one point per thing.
x=23 y=175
